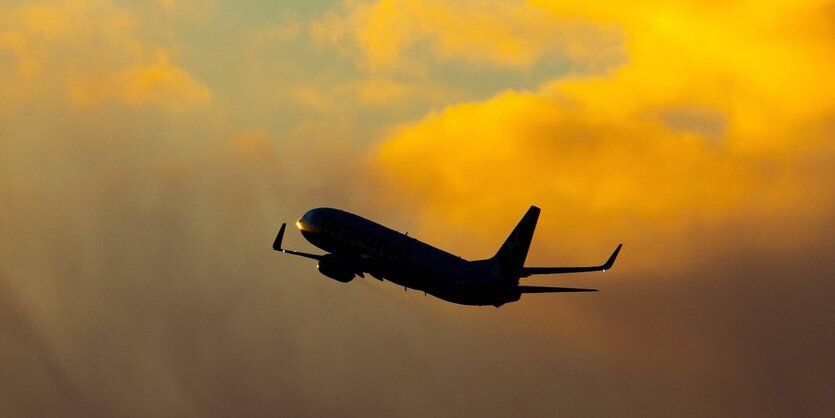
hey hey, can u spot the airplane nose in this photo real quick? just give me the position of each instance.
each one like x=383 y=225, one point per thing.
x=308 y=222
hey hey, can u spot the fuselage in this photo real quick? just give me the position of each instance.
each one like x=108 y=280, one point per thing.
x=387 y=254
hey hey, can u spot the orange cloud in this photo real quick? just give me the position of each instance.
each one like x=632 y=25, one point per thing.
x=757 y=64
x=712 y=123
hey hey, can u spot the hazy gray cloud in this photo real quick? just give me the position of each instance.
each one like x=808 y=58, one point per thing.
x=152 y=290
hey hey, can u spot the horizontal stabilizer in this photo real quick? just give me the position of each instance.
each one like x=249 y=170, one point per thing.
x=544 y=289
x=527 y=271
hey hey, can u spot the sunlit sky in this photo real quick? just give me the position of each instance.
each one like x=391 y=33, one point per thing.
x=149 y=150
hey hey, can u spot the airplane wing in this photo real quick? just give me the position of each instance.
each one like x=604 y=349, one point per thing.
x=527 y=271
x=543 y=289
x=277 y=246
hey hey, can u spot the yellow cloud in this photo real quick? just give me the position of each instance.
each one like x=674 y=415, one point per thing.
x=160 y=83
x=89 y=52
x=710 y=124
x=389 y=34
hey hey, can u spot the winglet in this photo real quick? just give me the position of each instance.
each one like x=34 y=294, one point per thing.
x=611 y=260
x=278 y=238
x=277 y=246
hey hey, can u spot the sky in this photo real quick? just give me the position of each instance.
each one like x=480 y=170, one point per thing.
x=149 y=151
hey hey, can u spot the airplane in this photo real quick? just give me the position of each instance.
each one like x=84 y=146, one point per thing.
x=356 y=246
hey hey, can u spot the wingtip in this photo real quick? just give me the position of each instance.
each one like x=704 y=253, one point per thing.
x=611 y=261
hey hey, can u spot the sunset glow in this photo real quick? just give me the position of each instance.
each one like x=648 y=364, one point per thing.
x=149 y=151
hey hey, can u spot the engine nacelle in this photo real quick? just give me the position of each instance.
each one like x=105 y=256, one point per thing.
x=336 y=268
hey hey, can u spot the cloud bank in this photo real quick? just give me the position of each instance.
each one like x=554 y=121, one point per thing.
x=145 y=168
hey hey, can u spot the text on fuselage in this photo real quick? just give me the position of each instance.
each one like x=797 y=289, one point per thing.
x=368 y=242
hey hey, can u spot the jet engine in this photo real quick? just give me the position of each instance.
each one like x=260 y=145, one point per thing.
x=336 y=268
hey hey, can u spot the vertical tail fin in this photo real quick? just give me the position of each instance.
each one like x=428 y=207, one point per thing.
x=511 y=256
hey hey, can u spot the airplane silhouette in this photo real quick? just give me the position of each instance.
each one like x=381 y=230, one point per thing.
x=356 y=246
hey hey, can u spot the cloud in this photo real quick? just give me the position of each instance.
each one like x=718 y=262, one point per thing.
x=381 y=91
x=375 y=93
x=646 y=148
x=392 y=35
x=136 y=277
x=707 y=155
x=188 y=10
x=159 y=83
x=88 y=53
x=730 y=59
x=279 y=33
x=130 y=275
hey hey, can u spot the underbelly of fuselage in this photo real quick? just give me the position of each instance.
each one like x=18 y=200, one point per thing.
x=464 y=294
